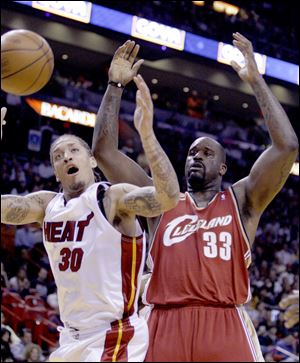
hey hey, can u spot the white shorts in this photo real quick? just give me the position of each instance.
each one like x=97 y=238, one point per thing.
x=123 y=341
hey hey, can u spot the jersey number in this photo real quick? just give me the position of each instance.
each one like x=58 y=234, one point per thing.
x=211 y=248
x=70 y=258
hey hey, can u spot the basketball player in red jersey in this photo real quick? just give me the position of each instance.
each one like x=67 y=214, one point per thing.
x=200 y=250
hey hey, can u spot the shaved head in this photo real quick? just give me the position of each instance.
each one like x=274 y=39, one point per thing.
x=205 y=164
x=214 y=143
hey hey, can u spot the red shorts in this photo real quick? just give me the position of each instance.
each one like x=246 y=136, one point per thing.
x=198 y=333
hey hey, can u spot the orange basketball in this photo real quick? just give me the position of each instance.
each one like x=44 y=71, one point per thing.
x=27 y=62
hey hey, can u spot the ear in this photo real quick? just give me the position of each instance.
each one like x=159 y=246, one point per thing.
x=223 y=169
x=93 y=162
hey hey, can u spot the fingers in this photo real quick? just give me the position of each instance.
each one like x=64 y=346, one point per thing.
x=291 y=317
x=3 y=113
x=142 y=86
x=291 y=312
x=134 y=51
x=137 y=66
x=143 y=96
x=289 y=300
x=241 y=42
x=235 y=66
x=129 y=49
x=119 y=53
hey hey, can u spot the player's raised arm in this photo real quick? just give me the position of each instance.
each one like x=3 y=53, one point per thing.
x=164 y=195
x=272 y=168
x=116 y=166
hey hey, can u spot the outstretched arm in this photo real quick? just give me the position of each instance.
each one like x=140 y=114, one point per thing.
x=149 y=201
x=116 y=166
x=17 y=209
x=272 y=168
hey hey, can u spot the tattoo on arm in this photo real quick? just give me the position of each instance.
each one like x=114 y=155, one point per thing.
x=106 y=127
x=144 y=203
x=164 y=176
x=16 y=209
x=38 y=200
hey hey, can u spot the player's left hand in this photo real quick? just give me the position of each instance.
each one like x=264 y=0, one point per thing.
x=143 y=114
x=291 y=304
x=122 y=68
x=3 y=122
x=248 y=73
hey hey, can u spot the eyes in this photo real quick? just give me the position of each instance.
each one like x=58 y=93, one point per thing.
x=208 y=153
x=59 y=155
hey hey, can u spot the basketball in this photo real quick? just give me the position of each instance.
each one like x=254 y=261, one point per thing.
x=27 y=62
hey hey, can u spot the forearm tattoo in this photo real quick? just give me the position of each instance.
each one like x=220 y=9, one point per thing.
x=106 y=128
x=143 y=203
x=163 y=174
x=14 y=210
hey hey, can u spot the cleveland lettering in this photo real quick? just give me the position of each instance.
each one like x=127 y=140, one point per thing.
x=182 y=227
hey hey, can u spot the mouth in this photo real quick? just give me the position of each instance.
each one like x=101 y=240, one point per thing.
x=197 y=167
x=72 y=170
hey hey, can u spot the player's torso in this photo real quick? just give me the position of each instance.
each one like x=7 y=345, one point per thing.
x=200 y=255
x=95 y=267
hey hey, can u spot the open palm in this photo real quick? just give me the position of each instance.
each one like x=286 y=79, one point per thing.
x=248 y=73
x=123 y=68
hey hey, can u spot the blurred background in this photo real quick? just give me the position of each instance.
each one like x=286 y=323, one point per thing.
x=187 y=46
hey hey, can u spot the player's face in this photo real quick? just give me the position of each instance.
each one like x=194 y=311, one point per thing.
x=203 y=164
x=73 y=165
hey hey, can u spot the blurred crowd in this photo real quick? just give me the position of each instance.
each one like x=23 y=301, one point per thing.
x=253 y=18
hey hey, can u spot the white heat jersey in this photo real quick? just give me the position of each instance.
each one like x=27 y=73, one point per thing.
x=97 y=270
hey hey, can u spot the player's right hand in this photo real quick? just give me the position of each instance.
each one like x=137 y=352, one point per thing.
x=249 y=72
x=3 y=122
x=122 y=68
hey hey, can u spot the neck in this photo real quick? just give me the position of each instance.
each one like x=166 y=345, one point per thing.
x=76 y=191
x=202 y=198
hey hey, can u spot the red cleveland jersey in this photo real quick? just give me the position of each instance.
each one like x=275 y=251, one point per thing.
x=200 y=254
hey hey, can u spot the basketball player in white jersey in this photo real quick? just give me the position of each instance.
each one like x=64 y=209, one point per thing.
x=200 y=251
x=95 y=244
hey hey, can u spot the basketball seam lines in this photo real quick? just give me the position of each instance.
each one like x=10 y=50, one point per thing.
x=36 y=77
x=28 y=65
x=18 y=49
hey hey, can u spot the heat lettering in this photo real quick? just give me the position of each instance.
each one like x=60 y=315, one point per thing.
x=70 y=231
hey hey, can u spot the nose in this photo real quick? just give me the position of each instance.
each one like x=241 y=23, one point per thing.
x=67 y=157
x=198 y=156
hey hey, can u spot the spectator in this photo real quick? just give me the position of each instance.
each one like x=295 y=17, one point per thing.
x=20 y=282
x=14 y=338
x=6 y=354
x=27 y=236
x=18 y=349
x=40 y=283
x=33 y=353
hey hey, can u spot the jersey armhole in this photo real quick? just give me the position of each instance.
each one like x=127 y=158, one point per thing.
x=100 y=195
